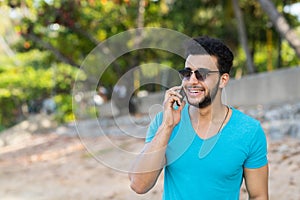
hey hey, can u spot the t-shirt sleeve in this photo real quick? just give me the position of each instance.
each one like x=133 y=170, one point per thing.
x=152 y=129
x=257 y=156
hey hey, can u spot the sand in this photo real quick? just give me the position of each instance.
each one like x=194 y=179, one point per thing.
x=55 y=166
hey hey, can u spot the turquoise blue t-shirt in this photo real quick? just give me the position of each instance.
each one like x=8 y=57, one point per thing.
x=210 y=169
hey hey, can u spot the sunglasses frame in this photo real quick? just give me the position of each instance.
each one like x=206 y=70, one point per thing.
x=201 y=73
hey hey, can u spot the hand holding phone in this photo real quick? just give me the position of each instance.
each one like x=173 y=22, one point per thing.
x=181 y=92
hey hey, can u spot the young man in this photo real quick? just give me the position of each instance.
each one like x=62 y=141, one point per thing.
x=205 y=147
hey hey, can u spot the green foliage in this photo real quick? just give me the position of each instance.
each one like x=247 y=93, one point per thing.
x=64 y=112
x=8 y=112
x=56 y=36
x=18 y=85
x=289 y=58
x=74 y=28
x=64 y=77
x=35 y=81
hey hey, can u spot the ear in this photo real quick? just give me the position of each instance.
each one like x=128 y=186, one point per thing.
x=224 y=80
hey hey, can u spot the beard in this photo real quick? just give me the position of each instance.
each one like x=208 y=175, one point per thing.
x=208 y=99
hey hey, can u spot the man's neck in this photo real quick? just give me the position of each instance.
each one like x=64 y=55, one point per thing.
x=211 y=113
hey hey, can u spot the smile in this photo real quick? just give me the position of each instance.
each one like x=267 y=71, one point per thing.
x=195 y=91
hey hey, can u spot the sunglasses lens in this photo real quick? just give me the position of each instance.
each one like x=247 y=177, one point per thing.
x=185 y=73
x=200 y=75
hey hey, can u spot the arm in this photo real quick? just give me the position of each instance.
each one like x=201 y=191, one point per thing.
x=150 y=162
x=256 y=181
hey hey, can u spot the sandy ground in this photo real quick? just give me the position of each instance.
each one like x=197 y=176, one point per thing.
x=51 y=166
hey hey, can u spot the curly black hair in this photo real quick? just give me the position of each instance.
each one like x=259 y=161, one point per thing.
x=204 y=45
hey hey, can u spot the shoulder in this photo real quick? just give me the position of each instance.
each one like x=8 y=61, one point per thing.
x=243 y=119
x=245 y=126
x=251 y=136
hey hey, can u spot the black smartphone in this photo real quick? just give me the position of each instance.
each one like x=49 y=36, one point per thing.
x=181 y=92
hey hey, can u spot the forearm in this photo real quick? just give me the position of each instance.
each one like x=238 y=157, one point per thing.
x=150 y=162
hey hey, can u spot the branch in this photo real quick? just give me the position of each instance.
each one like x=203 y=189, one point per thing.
x=51 y=48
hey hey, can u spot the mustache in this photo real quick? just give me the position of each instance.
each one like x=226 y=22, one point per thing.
x=194 y=87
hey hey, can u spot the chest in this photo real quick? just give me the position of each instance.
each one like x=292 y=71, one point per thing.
x=216 y=158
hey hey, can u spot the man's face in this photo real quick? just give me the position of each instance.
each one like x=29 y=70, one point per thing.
x=202 y=90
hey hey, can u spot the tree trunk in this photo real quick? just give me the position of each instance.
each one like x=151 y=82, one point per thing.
x=281 y=25
x=243 y=35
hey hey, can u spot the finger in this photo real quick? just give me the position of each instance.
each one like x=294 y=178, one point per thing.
x=176 y=100
x=175 y=96
x=182 y=105
x=170 y=93
x=171 y=100
x=175 y=88
x=174 y=92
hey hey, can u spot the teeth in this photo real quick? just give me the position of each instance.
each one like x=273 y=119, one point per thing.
x=196 y=90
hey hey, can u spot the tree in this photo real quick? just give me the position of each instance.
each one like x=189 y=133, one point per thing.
x=66 y=31
x=281 y=25
x=243 y=36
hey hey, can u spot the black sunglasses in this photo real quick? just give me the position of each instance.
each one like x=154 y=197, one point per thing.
x=200 y=73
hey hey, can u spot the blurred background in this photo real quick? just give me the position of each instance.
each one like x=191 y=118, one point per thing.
x=43 y=43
